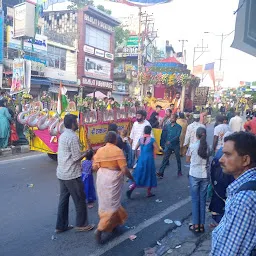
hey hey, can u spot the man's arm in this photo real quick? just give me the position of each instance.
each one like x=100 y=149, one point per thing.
x=233 y=236
x=187 y=136
x=215 y=142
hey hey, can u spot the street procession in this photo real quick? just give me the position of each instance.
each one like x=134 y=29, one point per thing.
x=118 y=137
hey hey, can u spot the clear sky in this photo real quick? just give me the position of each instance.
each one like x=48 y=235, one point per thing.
x=189 y=19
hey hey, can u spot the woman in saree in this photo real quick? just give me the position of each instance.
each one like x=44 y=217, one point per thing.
x=110 y=164
x=5 y=119
x=182 y=121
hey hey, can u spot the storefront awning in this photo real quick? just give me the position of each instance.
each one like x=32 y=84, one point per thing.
x=40 y=81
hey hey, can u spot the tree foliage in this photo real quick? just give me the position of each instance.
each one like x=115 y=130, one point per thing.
x=78 y=4
x=102 y=8
x=121 y=35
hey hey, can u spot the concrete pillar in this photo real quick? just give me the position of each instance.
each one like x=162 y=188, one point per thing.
x=183 y=91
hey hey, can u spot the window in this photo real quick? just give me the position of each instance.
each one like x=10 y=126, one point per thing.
x=97 y=38
x=56 y=57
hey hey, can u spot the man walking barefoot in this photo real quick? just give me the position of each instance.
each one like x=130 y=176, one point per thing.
x=69 y=175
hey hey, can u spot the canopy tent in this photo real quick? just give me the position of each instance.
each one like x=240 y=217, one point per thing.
x=170 y=60
x=97 y=94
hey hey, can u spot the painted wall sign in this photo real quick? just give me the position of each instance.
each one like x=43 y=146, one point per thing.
x=97 y=83
x=88 y=49
x=98 y=23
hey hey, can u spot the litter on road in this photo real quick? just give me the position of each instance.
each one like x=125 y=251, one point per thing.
x=177 y=247
x=159 y=201
x=132 y=237
x=170 y=251
x=158 y=243
x=177 y=223
x=54 y=237
x=168 y=221
x=30 y=185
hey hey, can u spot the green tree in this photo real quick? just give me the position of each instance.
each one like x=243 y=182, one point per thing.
x=102 y=8
x=78 y=4
x=122 y=35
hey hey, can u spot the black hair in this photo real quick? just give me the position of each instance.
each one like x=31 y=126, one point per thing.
x=149 y=93
x=111 y=98
x=69 y=120
x=89 y=154
x=219 y=119
x=203 y=147
x=225 y=118
x=177 y=93
x=171 y=104
x=142 y=112
x=105 y=98
x=158 y=106
x=168 y=109
x=245 y=144
x=182 y=115
x=175 y=115
x=111 y=137
x=2 y=92
x=147 y=129
x=112 y=128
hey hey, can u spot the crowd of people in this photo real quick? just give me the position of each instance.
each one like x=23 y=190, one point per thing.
x=227 y=169
x=8 y=133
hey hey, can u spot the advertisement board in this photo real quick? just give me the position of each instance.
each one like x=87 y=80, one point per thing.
x=97 y=83
x=97 y=133
x=39 y=45
x=201 y=96
x=18 y=79
x=97 y=68
x=24 y=17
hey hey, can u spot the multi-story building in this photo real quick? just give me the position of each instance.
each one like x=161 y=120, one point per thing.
x=96 y=50
x=72 y=47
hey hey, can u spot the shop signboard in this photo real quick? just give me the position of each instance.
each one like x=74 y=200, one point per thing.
x=97 y=68
x=201 y=96
x=132 y=41
x=98 y=23
x=88 y=49
x=39 y=45
x=24 y=20
x=97 y=83
x=97 y=52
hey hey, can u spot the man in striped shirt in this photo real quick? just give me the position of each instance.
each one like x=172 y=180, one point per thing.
x=236 y=233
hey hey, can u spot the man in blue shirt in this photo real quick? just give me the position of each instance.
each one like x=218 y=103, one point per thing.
x=236 y=233
x=171 y=143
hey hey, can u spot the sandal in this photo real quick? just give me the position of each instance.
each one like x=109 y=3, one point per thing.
x=201 y=228
x=85 y=229
x=58 y=231
x=193 y=228
x=213 y=225
x=150 y=195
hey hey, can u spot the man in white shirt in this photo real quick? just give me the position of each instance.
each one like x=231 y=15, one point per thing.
x=219 y=132
x=138 y=130
x=190 y=137
x=236 y=123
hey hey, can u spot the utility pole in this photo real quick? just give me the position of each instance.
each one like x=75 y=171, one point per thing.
x=139 y=50
x=147 y=35
x=183 y=41
x=201 y=50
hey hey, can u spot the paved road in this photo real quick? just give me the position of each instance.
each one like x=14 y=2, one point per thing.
x=28 y=214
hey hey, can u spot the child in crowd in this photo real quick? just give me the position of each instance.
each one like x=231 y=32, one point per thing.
x=145 y=171
x=87 y=179
x=127 y=148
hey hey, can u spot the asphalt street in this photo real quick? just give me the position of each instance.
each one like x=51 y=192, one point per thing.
x=28 y=212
